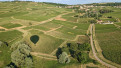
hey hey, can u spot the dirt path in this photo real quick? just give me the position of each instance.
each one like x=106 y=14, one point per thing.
x=94 y=52
x=42 y=22
x=60 y=18
x=44 y=56
x=88 y=29
x=54 y=52
x=13 y=39
x=117 y=26
x=77 y=37
x=38 y=53
x=74 y=27
x=3 y=28
x=54 y=29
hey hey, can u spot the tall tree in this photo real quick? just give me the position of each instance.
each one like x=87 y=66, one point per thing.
x=64 y=58
x=21 y=55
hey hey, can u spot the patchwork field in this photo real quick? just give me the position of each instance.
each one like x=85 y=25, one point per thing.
x=10 y=35
x=10 y=25
x=109 y=39
x=55 y=29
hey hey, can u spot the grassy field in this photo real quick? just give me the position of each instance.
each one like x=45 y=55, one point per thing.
x=45 y=27
x=52 y=64
x=5 y=56
x=10 y=35
x=31 y=11
x=70 y=17
x=118 y=24
x=69 y=30
x=46 y=44
x=10 y=25
x=109 y=39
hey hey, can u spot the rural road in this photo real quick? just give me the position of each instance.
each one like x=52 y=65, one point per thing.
x=94 y=52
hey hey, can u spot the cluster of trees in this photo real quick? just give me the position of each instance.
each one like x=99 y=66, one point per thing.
x=80 y=52
x=93 y=21
x=20 y=56
x=90 y=14
x=108 y=4
x=105 y=11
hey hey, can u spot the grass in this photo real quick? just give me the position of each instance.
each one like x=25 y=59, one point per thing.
x=67 y=33
x=81 y=26
x=46 y=44
x=70 y=17
x=45 y=27
x=10 y=25
x=114 y=14
x=5 y=56
x=109 y=40
x=37 y=27
x=43 y=63
x=83 y=39
x=118 y=24
x=9 y=35
x=105 y=28
x=32 y=13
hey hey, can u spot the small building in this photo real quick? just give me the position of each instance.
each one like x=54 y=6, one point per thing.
x=108 y=22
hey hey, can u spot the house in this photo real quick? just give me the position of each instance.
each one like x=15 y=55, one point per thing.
x=108 y=22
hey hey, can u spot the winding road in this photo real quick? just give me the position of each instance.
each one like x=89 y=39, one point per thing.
x=94 y=52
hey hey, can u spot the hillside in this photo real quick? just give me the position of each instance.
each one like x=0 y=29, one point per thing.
x=50 y=35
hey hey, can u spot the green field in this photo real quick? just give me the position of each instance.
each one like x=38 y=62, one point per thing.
x=70 y=17
x=46 y=44
x=59 y=29
x=109 y=39
x=10 y=35
x=10 y=25
x=118 y=24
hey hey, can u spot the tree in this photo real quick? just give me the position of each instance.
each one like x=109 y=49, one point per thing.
x=21 y=55
x=28 y=63
x=83 y=57
x=93 y=21
x=64 y=58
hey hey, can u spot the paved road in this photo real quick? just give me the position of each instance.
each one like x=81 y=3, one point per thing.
x=94 y=52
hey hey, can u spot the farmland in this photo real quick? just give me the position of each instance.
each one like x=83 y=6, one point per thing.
x=108 y=36
x=21 y=23
x=39 y=35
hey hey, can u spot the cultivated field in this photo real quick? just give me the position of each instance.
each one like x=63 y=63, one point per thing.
x=109 y=39
x=57 y=28
x=20 y=23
